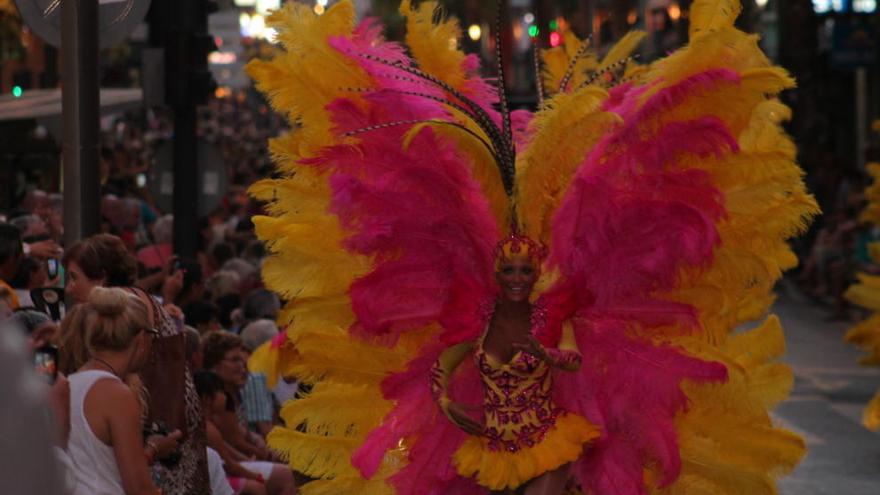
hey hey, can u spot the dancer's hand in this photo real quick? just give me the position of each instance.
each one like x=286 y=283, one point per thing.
x=458 y=413
x=533 y=347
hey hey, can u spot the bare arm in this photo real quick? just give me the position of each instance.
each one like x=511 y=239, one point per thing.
x=122 y=415
x=234 y=434
x=230 y=460
x=442 y=370
x=567 y=356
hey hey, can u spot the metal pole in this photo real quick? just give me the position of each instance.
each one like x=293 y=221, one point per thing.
x=186 y=173
x=186 y=170
x=80 y=102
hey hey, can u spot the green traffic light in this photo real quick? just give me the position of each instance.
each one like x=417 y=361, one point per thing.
x=553 y=25
x=533 y=31
x=17 y=91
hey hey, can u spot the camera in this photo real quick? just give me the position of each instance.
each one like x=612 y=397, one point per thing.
x=52 y=268
x=46 y=363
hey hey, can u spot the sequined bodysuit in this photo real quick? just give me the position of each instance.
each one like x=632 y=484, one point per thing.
x=517 y=404
x=525 y=433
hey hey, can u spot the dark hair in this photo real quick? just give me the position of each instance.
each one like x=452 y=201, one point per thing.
x=222 y=253
x=227 y=304
x=193 y=341
x=10 y=242
x=261 y=303
x=215 y=345
x=104 y=255
x=255 y=249
x=26 y=268
x=199 y=312
x=192 y=273
x=207 y=383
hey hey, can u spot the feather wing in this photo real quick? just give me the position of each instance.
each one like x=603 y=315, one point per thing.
x=676 y=224
x=380 y=245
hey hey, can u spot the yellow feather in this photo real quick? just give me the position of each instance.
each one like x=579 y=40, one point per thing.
x=871 y=416
x=546 y=167
x=729 y=444
x=622 y=49
x=434 y=46
x=707 y=16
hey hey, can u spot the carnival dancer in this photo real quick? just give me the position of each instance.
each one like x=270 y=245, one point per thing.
x=495 y=300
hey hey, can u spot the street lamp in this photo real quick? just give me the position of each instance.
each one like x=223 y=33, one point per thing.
x=474 y=32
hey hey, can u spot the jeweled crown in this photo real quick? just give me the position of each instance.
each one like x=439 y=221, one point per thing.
x=517 y=246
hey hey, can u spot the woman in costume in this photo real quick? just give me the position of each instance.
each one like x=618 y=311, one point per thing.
x=520 y=423
x=664 y=195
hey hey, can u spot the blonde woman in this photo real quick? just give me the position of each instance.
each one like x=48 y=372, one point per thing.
x=106 y=444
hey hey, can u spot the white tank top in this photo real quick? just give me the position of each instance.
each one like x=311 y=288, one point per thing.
x=93 y=462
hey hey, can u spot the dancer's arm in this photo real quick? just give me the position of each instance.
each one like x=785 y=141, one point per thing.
x=449 y=360
x=566 y=356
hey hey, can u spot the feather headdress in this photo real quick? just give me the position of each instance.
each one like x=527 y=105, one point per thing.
x=665 y=194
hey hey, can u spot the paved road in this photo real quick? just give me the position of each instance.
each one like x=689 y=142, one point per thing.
x=826 y=405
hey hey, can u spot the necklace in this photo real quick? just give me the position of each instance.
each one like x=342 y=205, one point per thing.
x=105 y=363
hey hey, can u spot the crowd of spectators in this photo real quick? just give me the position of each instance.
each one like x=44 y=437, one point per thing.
x=146 y=338
x=837 y=248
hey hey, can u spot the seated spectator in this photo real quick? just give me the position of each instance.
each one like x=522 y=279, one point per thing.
x=261 y=304
x=224 y=355
x=31 y=275
x=249 y=276
x=259 y=405
x=219 y=482
x=194 y=357
x=211 y=392
x=106 y=445
x=203 y=316
x=223 y=283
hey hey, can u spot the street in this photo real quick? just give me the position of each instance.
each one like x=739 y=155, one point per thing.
x=831 y=389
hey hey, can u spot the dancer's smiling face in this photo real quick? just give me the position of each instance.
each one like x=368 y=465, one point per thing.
x=516 y=278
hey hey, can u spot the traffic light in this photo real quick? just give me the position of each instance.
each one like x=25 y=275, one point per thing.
x=181 y=29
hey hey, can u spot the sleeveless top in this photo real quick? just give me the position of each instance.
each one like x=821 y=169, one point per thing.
x=92 y=462
x=525 y=433
x=517 y=402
